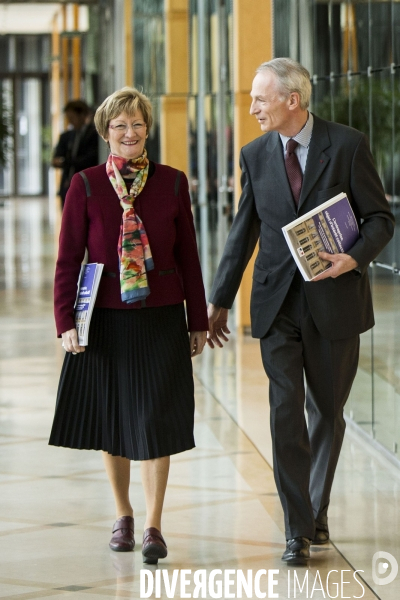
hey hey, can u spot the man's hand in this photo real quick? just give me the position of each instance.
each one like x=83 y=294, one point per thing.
x=341 y=263
x=217 y=326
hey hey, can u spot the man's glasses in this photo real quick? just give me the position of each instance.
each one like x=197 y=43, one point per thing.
x=123 y=127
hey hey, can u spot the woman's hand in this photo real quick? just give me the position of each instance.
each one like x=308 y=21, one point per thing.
x=70 y=342
x=197 y=341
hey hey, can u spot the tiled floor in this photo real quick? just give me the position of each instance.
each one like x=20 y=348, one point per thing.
x=222 y=511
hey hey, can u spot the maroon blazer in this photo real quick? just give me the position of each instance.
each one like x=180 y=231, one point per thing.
x=93 y=221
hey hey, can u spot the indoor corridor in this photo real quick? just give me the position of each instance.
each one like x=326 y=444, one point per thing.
x=222 y=511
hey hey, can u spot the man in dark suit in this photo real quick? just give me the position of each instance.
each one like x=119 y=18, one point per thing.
x=78 y=147
x=308 y=330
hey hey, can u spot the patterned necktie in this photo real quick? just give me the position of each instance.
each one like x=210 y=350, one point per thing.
x=293 y=169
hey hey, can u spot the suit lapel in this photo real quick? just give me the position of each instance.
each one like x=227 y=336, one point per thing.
x=317 y=159
x=276 y=167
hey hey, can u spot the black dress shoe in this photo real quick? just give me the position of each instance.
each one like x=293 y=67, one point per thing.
x=154 y=546
x=123 y=535
x=321 y=537
x=297 y=551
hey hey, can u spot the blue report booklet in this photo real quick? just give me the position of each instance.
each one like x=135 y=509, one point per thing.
x=88 y=285
x=331 y=227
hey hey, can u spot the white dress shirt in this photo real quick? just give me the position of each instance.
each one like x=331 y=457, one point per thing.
x=303 y=139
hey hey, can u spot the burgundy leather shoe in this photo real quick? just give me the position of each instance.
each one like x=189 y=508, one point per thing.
x=154 y=546
x=122 y=539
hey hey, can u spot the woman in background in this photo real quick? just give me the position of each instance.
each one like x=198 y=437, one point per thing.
x=130 y=392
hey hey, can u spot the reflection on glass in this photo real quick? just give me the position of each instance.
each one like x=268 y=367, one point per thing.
x=24 y=244
x=149 y=59
x=9 y=246
x=360 y=403
x=32 y=53
x=386 y=295
x=214 y=102
x=28 y=137
x=148 y=34
x=380 y=33
x=6 y=111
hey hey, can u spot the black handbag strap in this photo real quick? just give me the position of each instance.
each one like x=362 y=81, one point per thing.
x=87 y=184
x=177 y=182
x=89 y=193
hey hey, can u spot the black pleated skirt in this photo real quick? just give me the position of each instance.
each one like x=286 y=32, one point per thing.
x=131 y=393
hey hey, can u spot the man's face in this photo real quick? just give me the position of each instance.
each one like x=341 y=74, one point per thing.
x=268 y=104
x=77 y=120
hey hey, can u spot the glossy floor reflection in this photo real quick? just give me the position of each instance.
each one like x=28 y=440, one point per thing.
x=222 y=511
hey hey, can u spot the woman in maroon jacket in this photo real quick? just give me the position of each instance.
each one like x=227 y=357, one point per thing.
x=130 y=392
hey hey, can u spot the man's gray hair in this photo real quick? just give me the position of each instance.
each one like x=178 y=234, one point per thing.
x=292 y=77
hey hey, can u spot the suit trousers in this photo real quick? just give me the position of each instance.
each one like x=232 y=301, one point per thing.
x=306 y=451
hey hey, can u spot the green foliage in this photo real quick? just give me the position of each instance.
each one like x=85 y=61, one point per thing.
x=371 y=105
x=47 y=149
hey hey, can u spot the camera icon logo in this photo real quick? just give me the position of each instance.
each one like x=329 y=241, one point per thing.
x=381 y=561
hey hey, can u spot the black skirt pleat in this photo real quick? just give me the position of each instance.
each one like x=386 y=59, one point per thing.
x=131 y=393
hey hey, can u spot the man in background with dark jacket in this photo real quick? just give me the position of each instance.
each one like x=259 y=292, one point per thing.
x=77 y=148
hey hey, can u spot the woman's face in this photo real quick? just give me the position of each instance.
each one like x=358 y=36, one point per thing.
x=127 y=135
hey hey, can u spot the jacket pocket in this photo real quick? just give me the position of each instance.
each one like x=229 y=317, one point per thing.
x=260 y=275
x=329 y=193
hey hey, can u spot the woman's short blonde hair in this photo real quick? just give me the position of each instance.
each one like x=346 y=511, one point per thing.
x=128 y=100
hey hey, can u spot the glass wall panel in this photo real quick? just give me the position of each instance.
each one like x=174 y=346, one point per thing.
x=149 y=61
x=28 y=136
x=395 y=33
x=362 y=32
x=281 y=31
x=91 y=58
x=380 y=34
x=386 y=296
x=148 y=37
x=33 y=53
x=6 y=112
x=360 y=405
x=211 y=119
x=103 y=15
x=25 y=88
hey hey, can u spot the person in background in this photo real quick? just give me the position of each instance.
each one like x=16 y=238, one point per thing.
x=130 y=392
x=78 y=147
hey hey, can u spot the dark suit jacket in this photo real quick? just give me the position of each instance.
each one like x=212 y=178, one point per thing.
x=339 y=160
x=86 y=155
x=94 y=223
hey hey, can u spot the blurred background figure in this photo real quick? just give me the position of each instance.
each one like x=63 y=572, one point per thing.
x=77 y=148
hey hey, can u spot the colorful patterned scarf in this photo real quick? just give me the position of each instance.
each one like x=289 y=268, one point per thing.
x=133 y=245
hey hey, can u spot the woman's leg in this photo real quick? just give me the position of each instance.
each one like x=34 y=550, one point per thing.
x=154 y=479
x=119 y=474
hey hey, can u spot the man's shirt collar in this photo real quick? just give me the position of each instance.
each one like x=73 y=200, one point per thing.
x=304 y=136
